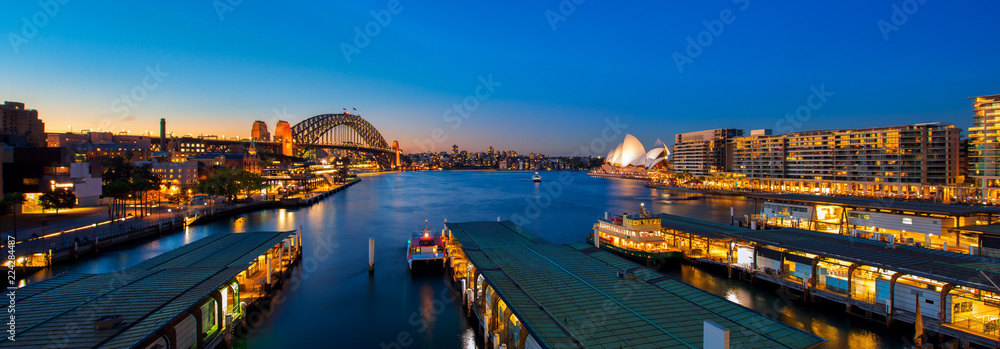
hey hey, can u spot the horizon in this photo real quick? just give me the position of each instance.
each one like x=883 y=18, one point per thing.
x=524 y=76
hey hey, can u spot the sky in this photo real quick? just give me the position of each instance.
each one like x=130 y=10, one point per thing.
x=567 y=77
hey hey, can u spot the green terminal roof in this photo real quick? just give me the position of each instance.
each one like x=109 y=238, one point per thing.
x=60 y=312
x=570 y=296
x=699 y=227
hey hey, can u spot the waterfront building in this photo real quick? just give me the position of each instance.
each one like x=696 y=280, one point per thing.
x=933 y=226
x=259 y=132
x=704 y=152
x=175 y=177
x=195 y=296
x=16 y=120
x=873 y=279
x=631 y=158
x=101 y=145
x=38 y=170
x=914 y=160
x=526 y=292
x=984 y=149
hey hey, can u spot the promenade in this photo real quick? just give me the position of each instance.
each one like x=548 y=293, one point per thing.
x=91 y=231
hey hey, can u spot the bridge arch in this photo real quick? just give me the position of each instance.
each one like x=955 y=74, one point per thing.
x=311 y=131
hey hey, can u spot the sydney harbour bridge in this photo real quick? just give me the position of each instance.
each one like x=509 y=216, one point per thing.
x=332 y=132
x=344 y=131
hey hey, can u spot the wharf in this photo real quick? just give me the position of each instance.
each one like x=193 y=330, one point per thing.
x=529 y=293
x=191 y=297
x=314 y=197
x=875 y=279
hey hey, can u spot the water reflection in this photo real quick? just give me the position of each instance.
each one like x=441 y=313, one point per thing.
x=339 y=300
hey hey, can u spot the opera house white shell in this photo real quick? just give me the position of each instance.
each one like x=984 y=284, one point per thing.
x=631 y=153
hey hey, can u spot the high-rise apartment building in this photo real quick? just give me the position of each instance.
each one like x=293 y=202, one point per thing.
x=16 y=120
x=865 y=159
x=984 y=149
x=703 y=152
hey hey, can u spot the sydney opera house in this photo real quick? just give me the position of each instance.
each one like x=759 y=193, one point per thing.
x=630 y=157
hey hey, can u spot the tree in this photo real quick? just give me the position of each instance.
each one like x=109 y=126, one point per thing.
x=58 y=199
x=123 y=181
x=249 y=182
x=230 y=183
x=15 y=199
x=179 y=199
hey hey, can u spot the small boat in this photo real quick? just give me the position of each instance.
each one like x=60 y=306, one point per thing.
x=425 y=247
x=536 y=177
x=637 y=237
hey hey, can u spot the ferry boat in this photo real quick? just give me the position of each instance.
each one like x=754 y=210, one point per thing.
x=536 y=177
x=425 y=247
x=637 y=237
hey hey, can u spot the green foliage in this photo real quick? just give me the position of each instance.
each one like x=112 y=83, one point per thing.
x=229 y=182
x=179 y=199
x=59 y=199
x=16 y=198
x=123 y=180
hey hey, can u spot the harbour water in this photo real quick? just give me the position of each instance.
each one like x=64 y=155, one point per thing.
x=332 y=300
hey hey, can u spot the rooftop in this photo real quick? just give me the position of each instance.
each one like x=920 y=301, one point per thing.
x=882 y=204
x=712 y=230
x=149 y=294
x=569 y=295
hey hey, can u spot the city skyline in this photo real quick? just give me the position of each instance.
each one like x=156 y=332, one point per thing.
x=548 y=79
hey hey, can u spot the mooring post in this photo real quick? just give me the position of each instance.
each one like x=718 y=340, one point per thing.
x=371 y=255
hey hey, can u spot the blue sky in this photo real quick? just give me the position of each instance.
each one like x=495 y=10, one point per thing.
x=553 y=89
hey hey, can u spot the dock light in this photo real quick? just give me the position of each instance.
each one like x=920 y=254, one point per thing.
x=170 y=210
x=95 y=225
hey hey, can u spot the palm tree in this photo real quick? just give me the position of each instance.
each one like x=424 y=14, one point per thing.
x=15 y=199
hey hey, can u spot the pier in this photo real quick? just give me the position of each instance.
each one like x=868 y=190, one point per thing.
x=191 y=297
x=36 y=254
x=527 y=292
x=312 y=197
x=877 y=280
x=928 y=225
